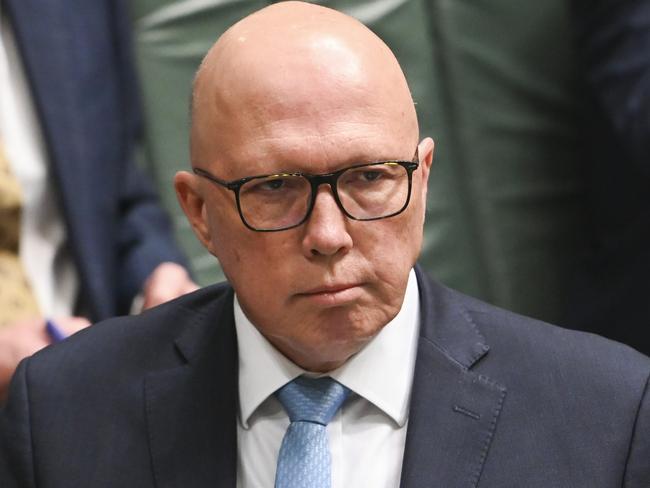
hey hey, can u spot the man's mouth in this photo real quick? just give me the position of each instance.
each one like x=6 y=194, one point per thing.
x=333 y=295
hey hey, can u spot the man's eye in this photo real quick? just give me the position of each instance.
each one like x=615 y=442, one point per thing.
x=275 y=184
x=371 y=175
x=272 y=185
x=361 y=177
x=276 y=187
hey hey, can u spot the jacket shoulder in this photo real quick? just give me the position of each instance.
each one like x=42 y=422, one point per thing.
x=137 y=343
x=523 y=348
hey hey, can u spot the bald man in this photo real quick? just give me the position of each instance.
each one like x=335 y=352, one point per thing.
x=329 y=359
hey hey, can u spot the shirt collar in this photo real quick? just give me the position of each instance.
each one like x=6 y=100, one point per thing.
x=382 y=372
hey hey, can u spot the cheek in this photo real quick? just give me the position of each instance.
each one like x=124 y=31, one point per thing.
x=392 y=253
x=227 y=240
x=396 y=244
x=256 y=264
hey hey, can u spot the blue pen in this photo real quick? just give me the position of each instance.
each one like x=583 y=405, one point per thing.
x=54 y=331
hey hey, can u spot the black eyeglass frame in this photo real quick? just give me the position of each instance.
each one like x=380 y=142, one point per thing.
x=315 y=180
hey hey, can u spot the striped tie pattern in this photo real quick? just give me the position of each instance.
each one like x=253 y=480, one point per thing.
x=304 y=460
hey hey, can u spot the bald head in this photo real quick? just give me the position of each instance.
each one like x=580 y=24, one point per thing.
x=308 y=67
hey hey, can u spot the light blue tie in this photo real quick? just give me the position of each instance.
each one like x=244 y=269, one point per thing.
x=304 y=460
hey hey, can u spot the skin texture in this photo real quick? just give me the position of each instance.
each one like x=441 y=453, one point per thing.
x=301 y=87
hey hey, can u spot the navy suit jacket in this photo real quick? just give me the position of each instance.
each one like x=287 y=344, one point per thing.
x=77 y=59
x=498 y=400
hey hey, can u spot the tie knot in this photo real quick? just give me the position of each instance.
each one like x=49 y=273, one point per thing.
x=312 y=399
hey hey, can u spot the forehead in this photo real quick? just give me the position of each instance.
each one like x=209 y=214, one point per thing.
x=319 y=136
x=297 y=147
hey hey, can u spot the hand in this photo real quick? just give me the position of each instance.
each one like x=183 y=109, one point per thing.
x=167 y=281
x=24 y=338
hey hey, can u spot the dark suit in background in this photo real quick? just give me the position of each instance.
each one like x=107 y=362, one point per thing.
x=76 y=56
x=613 y=45
x=498 y=400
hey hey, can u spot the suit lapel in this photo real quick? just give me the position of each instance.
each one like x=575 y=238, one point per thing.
x=191 y=408
x=454 y=411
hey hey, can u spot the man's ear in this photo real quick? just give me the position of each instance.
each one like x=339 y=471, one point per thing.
x=425 y=151
x=192 y=202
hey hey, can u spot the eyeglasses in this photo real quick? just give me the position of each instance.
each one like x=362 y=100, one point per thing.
x=281 y=201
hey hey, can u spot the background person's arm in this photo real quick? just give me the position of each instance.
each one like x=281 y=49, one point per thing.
x=149 y=261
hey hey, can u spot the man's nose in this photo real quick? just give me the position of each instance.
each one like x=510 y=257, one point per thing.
x=326 y=232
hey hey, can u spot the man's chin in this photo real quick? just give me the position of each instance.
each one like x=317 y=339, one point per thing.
x=329 y=349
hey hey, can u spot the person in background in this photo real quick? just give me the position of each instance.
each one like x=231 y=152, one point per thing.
x=82 y=233
x=329 y=359
x=610 y=294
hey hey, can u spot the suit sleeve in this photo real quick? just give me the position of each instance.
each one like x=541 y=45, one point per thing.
x=16 y=452
x=145 y=234
x=637 y=472
x=613 y=48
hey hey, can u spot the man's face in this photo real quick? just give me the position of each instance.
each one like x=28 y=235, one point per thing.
x=320 y=291
x=316 y=103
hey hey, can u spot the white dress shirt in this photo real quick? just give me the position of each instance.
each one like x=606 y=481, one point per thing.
x=367 y=435
x=43 y=251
